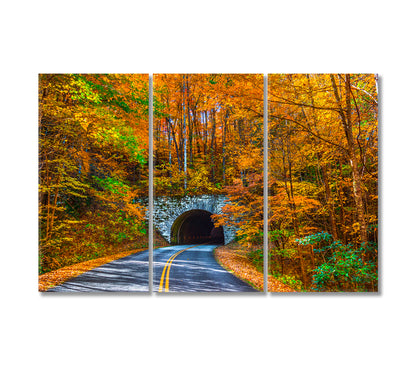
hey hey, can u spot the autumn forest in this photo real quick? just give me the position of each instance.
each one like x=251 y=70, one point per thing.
x=323 y=173
x=93 y=166
x=208 y=138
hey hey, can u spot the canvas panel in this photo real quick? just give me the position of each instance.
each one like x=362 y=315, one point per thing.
x=208 y=182
x=323 y=182
x=93 y=182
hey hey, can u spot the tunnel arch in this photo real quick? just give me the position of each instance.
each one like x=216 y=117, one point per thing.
x=167 y=208
x=195 y=226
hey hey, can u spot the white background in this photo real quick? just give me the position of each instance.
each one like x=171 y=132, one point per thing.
x=206 y=333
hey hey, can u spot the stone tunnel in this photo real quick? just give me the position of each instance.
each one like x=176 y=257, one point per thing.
x=187 y=220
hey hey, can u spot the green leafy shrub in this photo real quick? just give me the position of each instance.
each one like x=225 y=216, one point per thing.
x=291 y=281
x=257 y=258
x=343 y=267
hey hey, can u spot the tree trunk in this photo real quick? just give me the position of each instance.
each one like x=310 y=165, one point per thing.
x=330 y=201
x=213 y=146
x=184 y=133
x=347 y=125
x=169 y=146
x=224 y=138
x=176 y=145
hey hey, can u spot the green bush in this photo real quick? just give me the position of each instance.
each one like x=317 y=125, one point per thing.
x=291 y=281
x=346 y=270
x=256 y=258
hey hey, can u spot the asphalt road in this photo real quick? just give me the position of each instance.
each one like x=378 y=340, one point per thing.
x=188 y=268
x=127 y=274
x=178 y=268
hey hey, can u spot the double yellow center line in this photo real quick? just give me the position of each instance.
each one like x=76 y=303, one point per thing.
x=166 y=270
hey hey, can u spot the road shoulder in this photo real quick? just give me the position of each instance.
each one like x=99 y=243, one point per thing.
x=235 y=260
x=59 y=276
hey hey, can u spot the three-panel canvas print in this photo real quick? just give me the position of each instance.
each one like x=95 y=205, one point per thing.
x=183 y=183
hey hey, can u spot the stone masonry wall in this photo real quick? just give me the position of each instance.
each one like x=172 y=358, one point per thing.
x=167 y=209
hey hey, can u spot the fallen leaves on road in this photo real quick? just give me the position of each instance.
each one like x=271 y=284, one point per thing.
x=235 y=259
x=56 y=277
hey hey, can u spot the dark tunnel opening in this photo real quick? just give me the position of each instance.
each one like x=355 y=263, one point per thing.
x=195 y=227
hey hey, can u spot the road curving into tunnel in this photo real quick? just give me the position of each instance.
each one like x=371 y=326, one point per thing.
x=192 y=268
